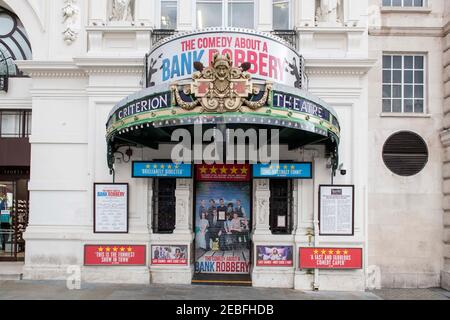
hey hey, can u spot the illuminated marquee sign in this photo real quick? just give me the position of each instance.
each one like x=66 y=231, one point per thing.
x=271 y=59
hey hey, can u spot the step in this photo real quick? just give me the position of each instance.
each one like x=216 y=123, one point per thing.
x=11 y=271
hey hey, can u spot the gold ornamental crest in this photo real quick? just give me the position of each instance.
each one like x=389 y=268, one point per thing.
x=222 y=88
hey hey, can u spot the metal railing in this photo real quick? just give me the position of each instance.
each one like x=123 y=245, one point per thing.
x=4 y=83
x=160 y=34
x=290 y=36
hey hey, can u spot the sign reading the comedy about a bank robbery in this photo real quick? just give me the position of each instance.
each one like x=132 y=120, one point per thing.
x=283 y=171
x=336 y=210
x=110 y=208
x=330 y=258
x=161 y=170
x=270 y=58
x=114 y=255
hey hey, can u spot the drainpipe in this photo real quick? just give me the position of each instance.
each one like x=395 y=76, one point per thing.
x=316 y=283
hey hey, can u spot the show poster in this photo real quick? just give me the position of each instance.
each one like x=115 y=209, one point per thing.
x=331 y=258
x=270 y=58
x=114 y=255
x=336 y=210
x=222 y=228
x=275 y=256
x=170 y=255
x=111 y=208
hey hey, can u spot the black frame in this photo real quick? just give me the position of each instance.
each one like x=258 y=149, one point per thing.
x=128 y=208
x=353 y=210
x=289 y=215
x=288 y=178
x=155 y=227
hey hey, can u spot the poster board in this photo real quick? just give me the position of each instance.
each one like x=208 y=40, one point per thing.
x=111 y=206
x=337 y=210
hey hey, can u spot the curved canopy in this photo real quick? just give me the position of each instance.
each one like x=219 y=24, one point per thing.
x=213 y=90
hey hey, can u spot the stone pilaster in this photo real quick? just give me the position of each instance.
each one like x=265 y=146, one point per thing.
x=445 y=274
x=262 y=207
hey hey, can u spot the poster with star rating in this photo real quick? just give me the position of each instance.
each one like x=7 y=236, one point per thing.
x=331 y=258
x=223 y=173
x=114 y=255
x=283 y=171
x=161 y=170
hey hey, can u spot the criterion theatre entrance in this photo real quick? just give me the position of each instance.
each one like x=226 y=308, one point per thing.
x=223 y=214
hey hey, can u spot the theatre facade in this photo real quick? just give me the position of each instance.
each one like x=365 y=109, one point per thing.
x=226 y=142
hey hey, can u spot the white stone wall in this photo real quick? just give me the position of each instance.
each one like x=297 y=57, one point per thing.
x=405 y=214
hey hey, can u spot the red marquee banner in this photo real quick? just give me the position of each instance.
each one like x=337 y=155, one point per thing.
x=330 y=258
x=114 y=255
x=223 y=173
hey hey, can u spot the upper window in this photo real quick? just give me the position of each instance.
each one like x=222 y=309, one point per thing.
x=15 y=124
x=14 y=44
x=225 y=13
x=168 y=14
x=404 y=83
x=404 y=3
x=281 y=14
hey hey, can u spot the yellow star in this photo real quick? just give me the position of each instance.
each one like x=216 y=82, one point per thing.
x=316 y=251
x=169 y=166
x=213 y=170
x=203 y=170
x=108 y=249
x=234 y=170
x=331 y=252
x=338 y=252
x=345 y=252
x=286 y=167
x=292 y=167
x=244 y=170
x=122 y=249
x=155 y=166
x=278 y=167
x=100 y=249
x=129 y=249
x=324 y=252
x=163 y=166
x=115 y=249
x=224 y=170
x=147 y=166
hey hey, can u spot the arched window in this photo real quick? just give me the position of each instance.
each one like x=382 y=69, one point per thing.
x=14 y=43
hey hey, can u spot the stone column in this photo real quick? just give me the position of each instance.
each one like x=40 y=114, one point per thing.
x=445 y=274
x=261 y=207
x=183 y=206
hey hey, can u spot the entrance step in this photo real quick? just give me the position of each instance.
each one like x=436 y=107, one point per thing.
x=11 y=271
x=222 y=280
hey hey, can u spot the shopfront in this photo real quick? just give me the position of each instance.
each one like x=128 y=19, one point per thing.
x=230 y=109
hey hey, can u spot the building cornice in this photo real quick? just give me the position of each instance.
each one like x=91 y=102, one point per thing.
x=105 y=65
x=408 y=31
x=325 y=66
x=50 y=69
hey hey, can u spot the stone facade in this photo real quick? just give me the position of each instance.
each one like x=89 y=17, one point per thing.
x=76 y=79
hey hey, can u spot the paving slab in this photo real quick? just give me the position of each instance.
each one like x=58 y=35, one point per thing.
x=57 y=290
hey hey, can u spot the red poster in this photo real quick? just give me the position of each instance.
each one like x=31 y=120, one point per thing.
x=326 y=258
x=114 y=255
x=223 y=172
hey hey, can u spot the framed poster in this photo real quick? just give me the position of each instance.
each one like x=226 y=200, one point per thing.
x=337 y=210
x=331 y=258
x=115 y=255
x=170 y=255
x=274 y=256
x=111 y=202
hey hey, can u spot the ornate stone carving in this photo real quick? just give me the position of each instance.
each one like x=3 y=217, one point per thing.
x=221 y=88
x=71 y=14
x=262 y=205
x=181 y=213
x=122 y=10
x=329 y=11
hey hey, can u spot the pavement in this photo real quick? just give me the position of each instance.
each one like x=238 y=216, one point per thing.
x=57 y=290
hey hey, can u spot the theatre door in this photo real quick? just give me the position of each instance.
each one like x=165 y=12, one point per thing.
x=223 y=215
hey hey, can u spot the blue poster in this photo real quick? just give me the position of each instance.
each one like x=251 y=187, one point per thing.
x=283 y=171
x=222 y=227
x=161 y=170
